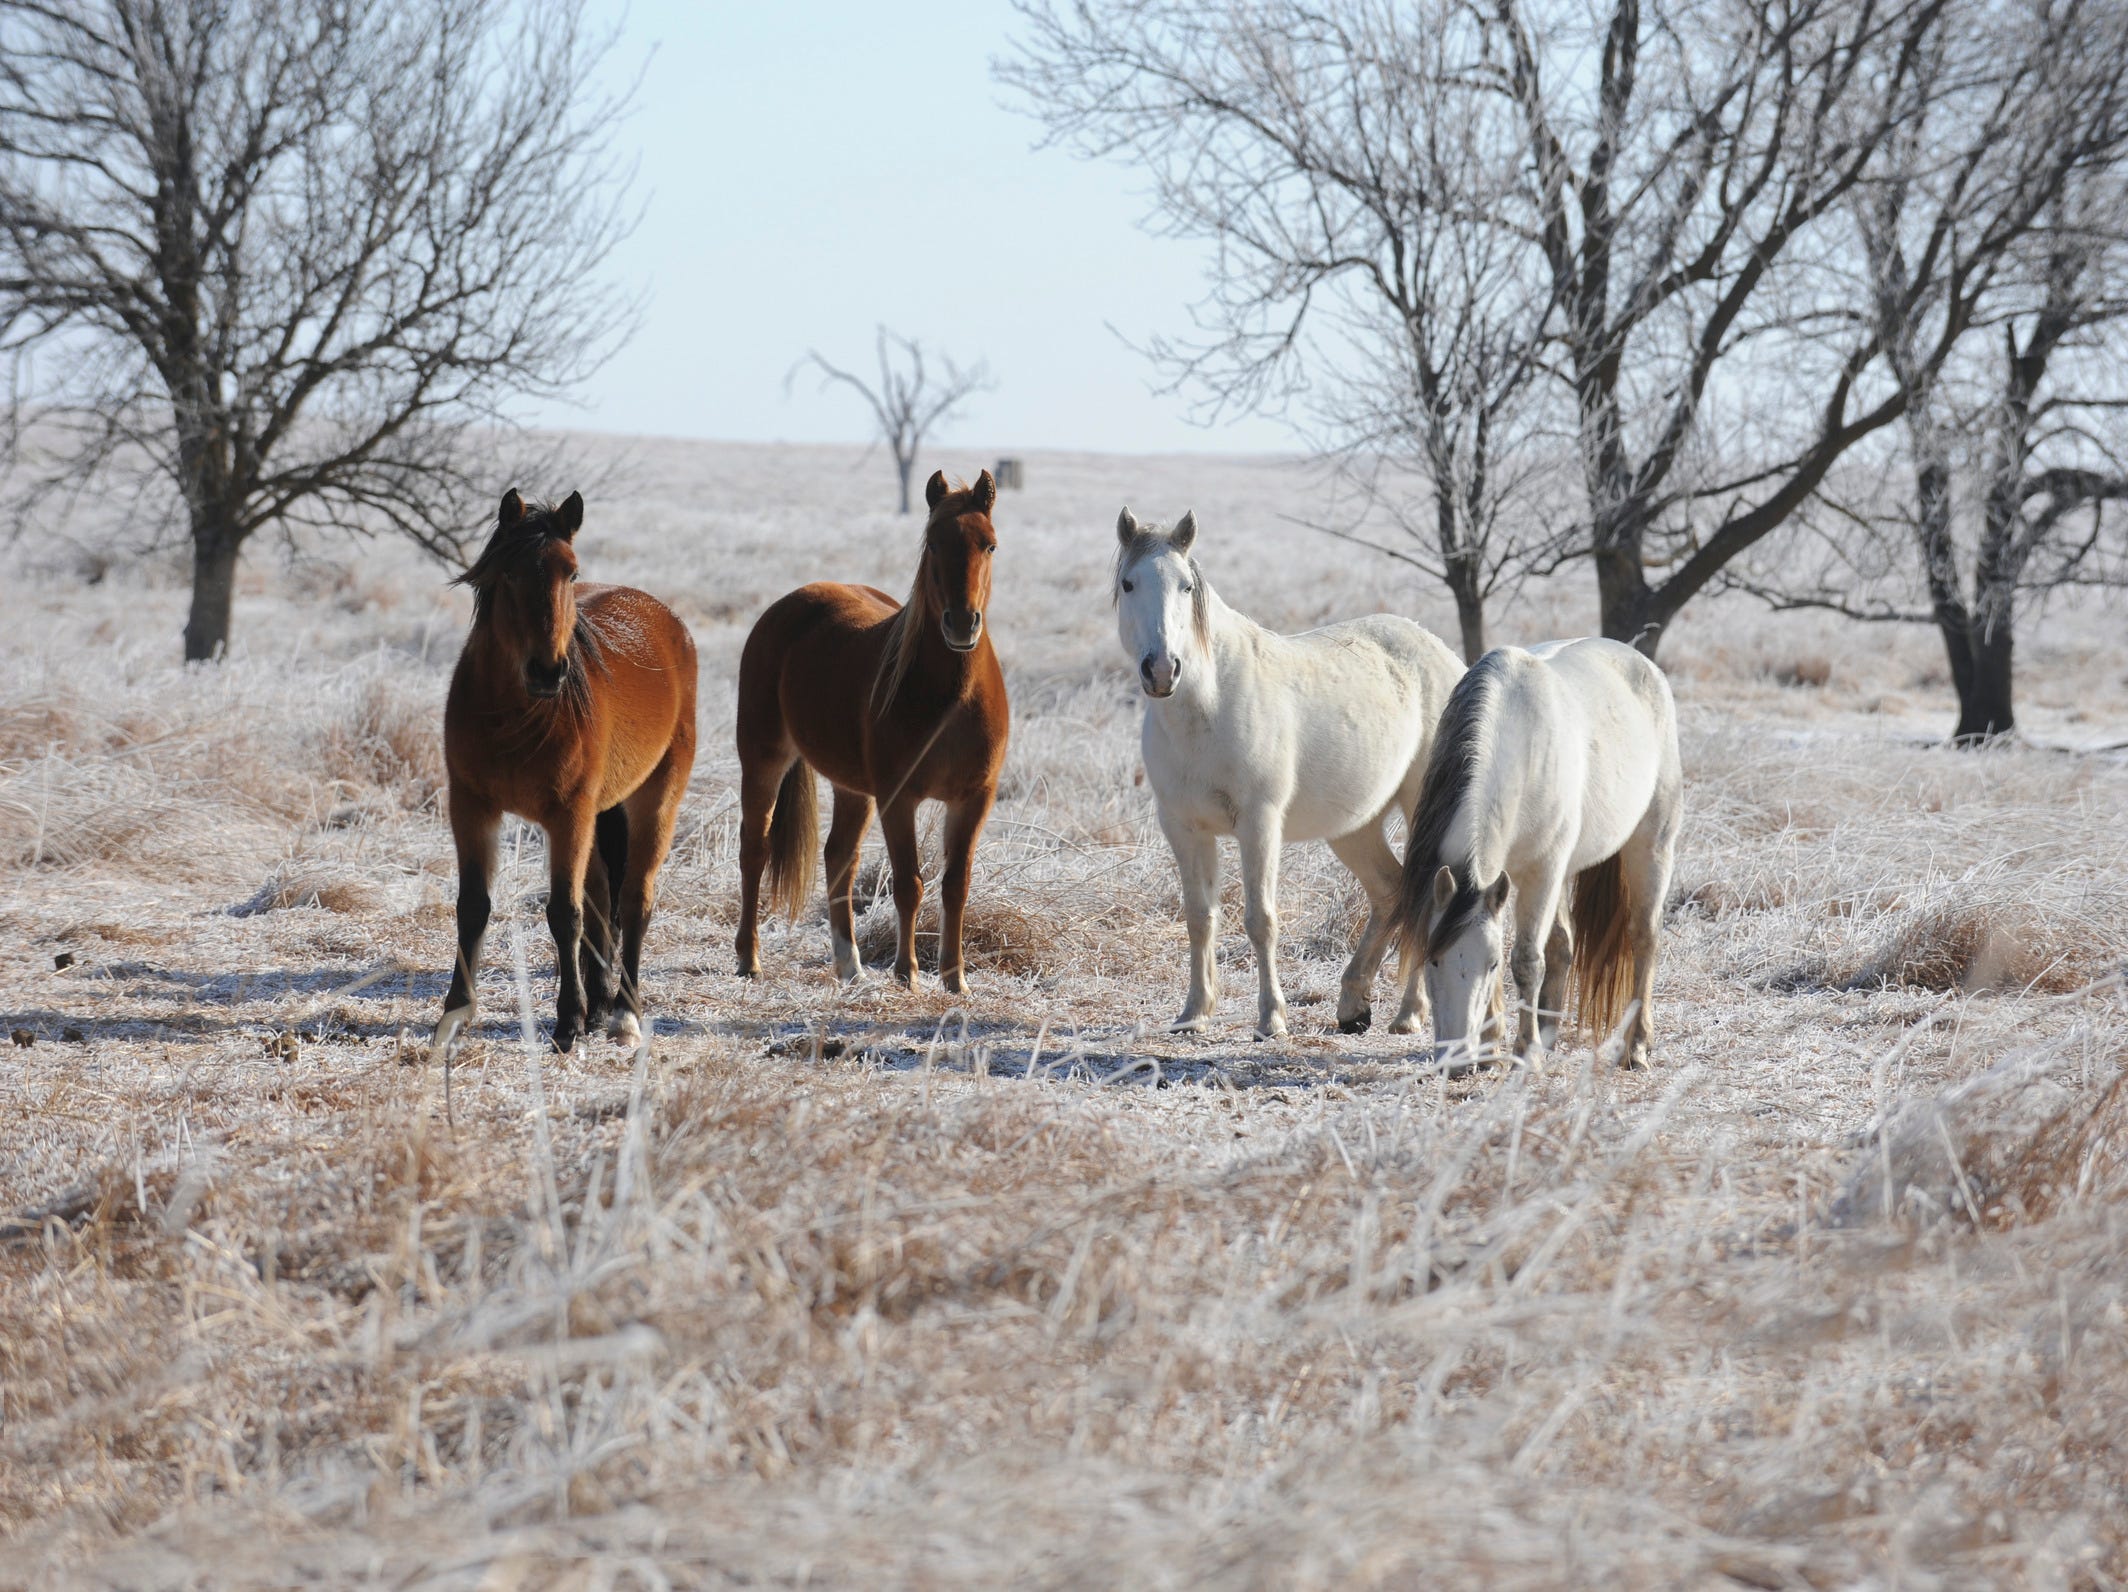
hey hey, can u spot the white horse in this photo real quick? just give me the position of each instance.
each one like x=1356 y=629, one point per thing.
x=1273 y=738
x=1555 y=763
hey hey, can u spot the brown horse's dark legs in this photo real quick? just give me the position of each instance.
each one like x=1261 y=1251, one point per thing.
x=473 y=829
x=853 y=810
x=758 y=782
x=898 y=824
x=607 y=867
x=964 y=825
x=568 y=856
x=651 y=813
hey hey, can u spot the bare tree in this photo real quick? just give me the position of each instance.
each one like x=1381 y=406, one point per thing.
x=1355 y=175
x=910 y=398
x=1991 y=246
x=282 y=255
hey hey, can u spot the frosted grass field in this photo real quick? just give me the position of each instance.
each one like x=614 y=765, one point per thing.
x=859 y=1288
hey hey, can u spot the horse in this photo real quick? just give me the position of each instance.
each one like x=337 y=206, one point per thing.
x=1553 y=764
x=896 y=704
x=1270 y=739
x=574 y=708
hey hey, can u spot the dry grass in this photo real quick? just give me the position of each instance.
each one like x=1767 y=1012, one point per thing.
x=857 y=1288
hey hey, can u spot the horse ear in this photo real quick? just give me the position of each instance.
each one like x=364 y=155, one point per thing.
x=935 y=488
x=1126 y=526
x=1185 y=531
x=1444 y=888
x=1496 y=894
x=570 y=516
x=513 y=509
x=985 y=492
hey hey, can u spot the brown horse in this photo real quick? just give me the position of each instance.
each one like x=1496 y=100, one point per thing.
x=895 y=703
x=574 y=707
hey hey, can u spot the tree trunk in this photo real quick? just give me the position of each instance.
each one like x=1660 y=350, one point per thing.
x=1456 y=527
x=1984 y=695
x=1470 y=608
x=904 y=465
x=1624 y=601
x=214 y=558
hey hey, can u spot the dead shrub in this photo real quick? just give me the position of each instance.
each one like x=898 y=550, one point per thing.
x=1987 y=946
x=996 y=935
x=389 y=740
x=305 y=884
x=1813 y=670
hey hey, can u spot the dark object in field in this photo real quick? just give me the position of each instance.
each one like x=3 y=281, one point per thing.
x=1011 y=474
x=282 y=1046
x=73 y=1036
x=23 y=1038
x=574 y=708
x=62 y=961
x=894 y=703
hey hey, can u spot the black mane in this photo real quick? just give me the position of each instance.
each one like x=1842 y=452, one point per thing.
x=1450 y=772
x=511 y=547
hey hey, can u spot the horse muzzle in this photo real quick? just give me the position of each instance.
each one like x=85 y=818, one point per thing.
x=1159 y=676
x=544 y=680
x=962 y=628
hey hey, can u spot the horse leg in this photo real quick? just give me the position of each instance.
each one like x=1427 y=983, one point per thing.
x=651 y=812
x=1558 y=966
x=964 y=826
x=473 y=827
x=853 y=810
x=569 y=840
x=759 y=780
x=1197 y=860
x=897 y=823
x=1260 y=834
x=1367 y=854
x=1536 y=910
x=1647 y=860
x=602 y=913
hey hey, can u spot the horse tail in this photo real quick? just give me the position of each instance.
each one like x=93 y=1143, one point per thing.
x=1602 y=916
x=793 y=841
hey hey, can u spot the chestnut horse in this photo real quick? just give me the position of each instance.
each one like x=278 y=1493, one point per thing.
x=896 y=704
x=573 y=707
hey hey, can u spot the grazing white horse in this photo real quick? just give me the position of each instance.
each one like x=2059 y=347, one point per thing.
x=1554 y=764
x=1273 y=738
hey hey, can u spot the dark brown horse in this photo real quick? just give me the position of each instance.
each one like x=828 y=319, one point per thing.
x=895 y=703
x=574 y=707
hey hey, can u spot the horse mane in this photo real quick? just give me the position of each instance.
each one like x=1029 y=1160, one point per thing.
x=904 y=635
x=508 y=548
x=1451 y=771
x=1148 y=539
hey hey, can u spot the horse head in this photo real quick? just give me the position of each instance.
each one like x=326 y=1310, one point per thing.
x=524 y=588
x=1465 y=937
x=958 y=543
x=1160 y=599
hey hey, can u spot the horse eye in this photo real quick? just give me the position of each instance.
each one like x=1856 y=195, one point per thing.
x=1187 y=588
x=1127 y=586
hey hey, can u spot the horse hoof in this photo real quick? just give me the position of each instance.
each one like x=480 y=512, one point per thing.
x=566 y=1035
x=1358 y=1023
x=1274 y=1029
x=749 y=972
x=954 y=985
x=1189 y=1025
x=623 y=1029
x=448 y=1032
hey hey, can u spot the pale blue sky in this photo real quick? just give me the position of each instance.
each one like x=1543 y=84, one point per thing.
x=811 y=169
